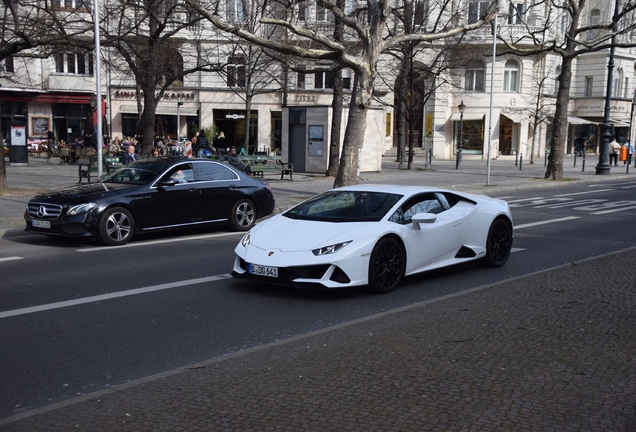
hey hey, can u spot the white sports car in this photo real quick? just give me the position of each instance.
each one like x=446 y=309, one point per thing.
x=374 y=235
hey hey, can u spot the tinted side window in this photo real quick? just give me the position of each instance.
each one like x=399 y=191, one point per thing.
x=427 y=203
x=213 y=171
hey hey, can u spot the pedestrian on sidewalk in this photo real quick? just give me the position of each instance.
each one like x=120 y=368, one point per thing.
x=613 y=152
x=630 y=152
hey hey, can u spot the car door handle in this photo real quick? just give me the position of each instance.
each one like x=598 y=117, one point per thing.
x=192 y=189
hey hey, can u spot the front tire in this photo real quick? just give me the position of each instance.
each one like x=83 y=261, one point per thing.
x=243 y=215
x=498 y=244
x=386 y=265
x=115 y=227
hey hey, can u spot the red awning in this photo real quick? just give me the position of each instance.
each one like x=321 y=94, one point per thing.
x=67 y=99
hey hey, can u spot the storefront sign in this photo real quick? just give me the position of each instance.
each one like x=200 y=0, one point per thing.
x=168 y=96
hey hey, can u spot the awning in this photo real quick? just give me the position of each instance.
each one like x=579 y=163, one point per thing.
x=162 y=110
x=514 y=117
x=579 y=121
x=618 y=123
x=467 y=116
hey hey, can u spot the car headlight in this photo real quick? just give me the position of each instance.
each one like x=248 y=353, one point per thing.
x=245 y=241
x=81 y=208
x=326 y=250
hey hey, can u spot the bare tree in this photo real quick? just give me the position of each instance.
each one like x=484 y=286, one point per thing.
x=572 y=37
x=367 y=39
x=153 y=41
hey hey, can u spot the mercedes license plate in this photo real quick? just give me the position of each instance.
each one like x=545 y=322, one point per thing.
x=41 y=224
x=260 y=270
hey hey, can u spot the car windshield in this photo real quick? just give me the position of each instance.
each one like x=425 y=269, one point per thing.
x=345 y=206
x=139 y=173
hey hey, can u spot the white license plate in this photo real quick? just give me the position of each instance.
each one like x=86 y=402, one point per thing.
x=260 y=270
x=41 y=224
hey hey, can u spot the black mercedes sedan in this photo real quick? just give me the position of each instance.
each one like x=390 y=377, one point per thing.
x=150 y=195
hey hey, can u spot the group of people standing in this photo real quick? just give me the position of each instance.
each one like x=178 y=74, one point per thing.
x=204 y=148
x=615 y=149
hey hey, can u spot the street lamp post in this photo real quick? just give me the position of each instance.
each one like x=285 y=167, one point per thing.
x=462 y=108
x=179 y=123
x=603 y=167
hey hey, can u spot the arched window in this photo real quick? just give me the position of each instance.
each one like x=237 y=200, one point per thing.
x=595 y=19
x=511 y=76
x=474 y=76
x=617 y=90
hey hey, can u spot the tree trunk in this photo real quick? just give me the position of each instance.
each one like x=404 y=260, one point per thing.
x=354 y=134
x=554 y=168
x=149 y=122
x=336 y=126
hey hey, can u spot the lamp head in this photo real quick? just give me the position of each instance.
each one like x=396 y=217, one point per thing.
x=462 y=107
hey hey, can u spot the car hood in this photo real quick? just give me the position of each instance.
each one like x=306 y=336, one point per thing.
x=292 y=235
x=82 y=192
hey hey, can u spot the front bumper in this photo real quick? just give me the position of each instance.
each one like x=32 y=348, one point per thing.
x=81 y=225
x=308 y=271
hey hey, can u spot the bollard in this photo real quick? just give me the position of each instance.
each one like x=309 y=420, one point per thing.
x=430 y=157
x=583 y=164
x=545 y=159
x=574 y=166
x=458 y=158
x=521 y=162
x=516 y=158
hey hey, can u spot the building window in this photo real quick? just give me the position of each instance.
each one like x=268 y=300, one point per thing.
x=516 y=13
x=236 y=72
x=420 y=12
x=323 y=80
x=565 y=23
x=235 y=11
x=477 y=10
x=589 y=85
x=389 y=125
x=322 y=13
x=300 y=83
x=73 y=63
x=166 y=7
x=595 y=19
x=474 y=76
x=72 y=4
x=8 y=65
x=617 y=90
x=511 y=76
x=302 y=11
x=556 y=79
x=346 y=78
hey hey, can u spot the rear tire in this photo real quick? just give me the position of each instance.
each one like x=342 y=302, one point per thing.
x=115 y=227
x=498 y=244
x=386 y=265
x=243 y=215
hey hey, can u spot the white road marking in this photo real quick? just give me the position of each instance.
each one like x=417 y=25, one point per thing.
x=614 y=210
x=11 y=258
x=531 y=224
x=102 y=297
x=584 y=193
x=628 y=187
x=513 y=250
x=154 y=242
x=525 y=199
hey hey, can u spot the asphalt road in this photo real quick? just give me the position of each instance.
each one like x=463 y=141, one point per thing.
x=73 y=319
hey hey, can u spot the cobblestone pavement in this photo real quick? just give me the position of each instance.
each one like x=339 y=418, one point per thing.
x=552 y=351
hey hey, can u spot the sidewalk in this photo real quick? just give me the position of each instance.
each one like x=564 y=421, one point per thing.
x=555 y=350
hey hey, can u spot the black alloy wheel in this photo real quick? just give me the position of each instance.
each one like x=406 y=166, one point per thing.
x=386 y=265
x=498 y=243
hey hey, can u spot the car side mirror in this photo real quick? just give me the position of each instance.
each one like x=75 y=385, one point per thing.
x=423 y=218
